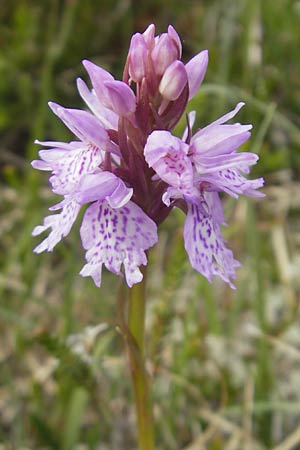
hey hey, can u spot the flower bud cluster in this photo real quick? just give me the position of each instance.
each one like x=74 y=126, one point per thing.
x=163 y=83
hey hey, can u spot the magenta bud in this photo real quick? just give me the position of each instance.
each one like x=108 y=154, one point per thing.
x=196 y=69
x=164 y=53
x=174 y=36
x=173 y=81
x=137 y=57
x=148 y=35
x=119 y=97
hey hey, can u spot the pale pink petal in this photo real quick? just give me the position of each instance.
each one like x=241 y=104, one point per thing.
x=225 y=118
x=191 y=117
x=68 y=167
x=108 y=118
x=174 y=35
x=220 y=139
x=41 y=165
x=60 y=225
x=98 y=76
x=167 y=155
x=196 y=69
x=83 y=124
x=60 y=145
x=173 y=81
x=119 y=97
x=164 y=53
x=148 y=35
x=209 y=164
x=137 y=57
x=103 y=185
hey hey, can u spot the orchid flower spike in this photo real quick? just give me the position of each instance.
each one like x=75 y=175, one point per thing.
x=129 y=171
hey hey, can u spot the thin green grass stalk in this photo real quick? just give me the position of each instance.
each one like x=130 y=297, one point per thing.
x=249 y=70
x=256 y=145
x=261 y=408
x=264 y=376
x=211 y=307
x=76 y=410
x=257 y=141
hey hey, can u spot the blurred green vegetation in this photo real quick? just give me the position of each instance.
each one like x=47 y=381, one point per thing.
x=225 y=365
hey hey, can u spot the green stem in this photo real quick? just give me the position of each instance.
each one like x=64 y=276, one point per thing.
x=136 y=312
x=140 y=379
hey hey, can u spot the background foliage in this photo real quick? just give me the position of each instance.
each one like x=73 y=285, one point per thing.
x=225 y=365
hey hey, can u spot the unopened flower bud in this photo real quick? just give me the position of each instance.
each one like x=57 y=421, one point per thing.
x=164 y=53
x=148 y=35
x=137 y=57
x=174 y=36
x=173 y=81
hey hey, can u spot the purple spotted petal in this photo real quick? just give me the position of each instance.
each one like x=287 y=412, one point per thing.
x=214 y=206
x=60 y=225
x=206 y=247
x=103 y=185
x=114 y=237
x=68 y=162
x=233 y=183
